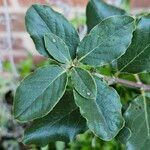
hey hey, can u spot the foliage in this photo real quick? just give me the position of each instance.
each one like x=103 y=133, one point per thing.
x=137 y=123
x=69 y=96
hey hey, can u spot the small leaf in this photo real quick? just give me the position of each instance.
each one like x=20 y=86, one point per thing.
x=57 y=48
x=107 y=41
x=84 y=83
x=137 y=57
x=97 y=10
x=137 y=118
x=41 y=19
x=63 y=123
x=103 y=115
x=39 y=92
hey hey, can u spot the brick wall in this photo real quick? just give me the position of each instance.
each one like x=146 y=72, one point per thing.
x=21 y=42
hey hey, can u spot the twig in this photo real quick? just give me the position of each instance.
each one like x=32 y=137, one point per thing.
x=114 y=80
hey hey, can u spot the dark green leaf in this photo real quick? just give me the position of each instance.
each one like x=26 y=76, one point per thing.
x=63 y=123
x=103 y=115
x=97 y=10
x=57 y=48
x=124 y=135
x=84 y=83
x=145 y=77
x=137 y=119
x=137 y=57
x=107 y=41
x=39 y=92
x=41 y=19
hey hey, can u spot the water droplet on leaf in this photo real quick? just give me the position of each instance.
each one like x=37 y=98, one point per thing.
x=54 y=40
x=88 y=93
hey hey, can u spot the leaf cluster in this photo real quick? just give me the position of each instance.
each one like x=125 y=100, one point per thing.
x=65 y=98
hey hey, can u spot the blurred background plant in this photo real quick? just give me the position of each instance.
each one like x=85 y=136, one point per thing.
x=18 y=58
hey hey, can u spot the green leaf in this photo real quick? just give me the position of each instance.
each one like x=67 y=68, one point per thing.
x=107 y=41
x=103 y=115
x=137 y=57
x=57 y=48
x=144 y=77
x=126 y=4
x=124 y=135
x=41 y=19
x=137 y=118
x=84 y=83
x=97 y=10
x=39 y=92
x=63 y=123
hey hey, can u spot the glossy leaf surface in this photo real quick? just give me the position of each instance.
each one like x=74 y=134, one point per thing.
x=137 y=119
x=41 y=19
x=107 y=41
x=97 y=10
x=84 y=83
x=103 y=115
x=57 y=48
x=137 y=57
x=39 y=92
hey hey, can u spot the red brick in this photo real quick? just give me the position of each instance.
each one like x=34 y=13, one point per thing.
x=140 y=3
x=18 y=57
x=17 y=22
x=2 y=23
x=1 y=3
x=70 y=2
x=36 y=59
x=27 y=3
x=17 y=43
x=9 y=2
x=79 y=2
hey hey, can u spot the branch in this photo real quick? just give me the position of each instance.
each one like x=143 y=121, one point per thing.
x=113 y=80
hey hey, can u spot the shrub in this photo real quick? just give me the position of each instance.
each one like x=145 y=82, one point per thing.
x=72 y=95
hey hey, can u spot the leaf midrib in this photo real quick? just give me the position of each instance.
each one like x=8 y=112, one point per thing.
x=134 y=58
x=103 y=41
x=146 y=113
x=58 y=120
x=83 y=82
x=40 y=94
x=66 y=49
x=106 y=122
x=42 y=18
x=64 y=116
